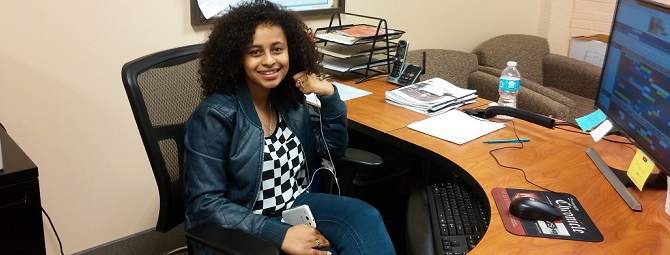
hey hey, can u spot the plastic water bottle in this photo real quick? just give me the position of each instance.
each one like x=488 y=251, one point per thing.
x=508 y=87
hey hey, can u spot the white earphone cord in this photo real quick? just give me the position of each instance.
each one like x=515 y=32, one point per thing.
x=325 y=163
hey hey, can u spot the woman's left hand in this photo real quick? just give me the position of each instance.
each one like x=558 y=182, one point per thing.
x=310 y=83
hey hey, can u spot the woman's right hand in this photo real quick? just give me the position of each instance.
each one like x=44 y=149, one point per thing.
x=303 y=239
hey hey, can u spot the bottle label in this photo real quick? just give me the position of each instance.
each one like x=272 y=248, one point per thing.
x=509 y=84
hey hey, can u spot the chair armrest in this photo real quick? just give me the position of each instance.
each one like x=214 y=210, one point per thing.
x=229 y=241
x=419 y=232
x=546 y=102
x=490 y=70
x=361 y=157
x=571 y=75
x=485 y=84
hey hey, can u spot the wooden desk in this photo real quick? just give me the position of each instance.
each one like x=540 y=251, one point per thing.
x=555 y=159
x=372 y=111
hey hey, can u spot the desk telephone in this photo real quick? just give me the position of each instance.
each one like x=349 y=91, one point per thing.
x=402 y=74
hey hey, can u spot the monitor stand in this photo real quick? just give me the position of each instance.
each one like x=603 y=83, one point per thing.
x=620 y=180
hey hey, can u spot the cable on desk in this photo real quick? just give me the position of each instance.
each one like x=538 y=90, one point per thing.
x=54 y=229
x=619 y=142
x=516 y=168
x=585 y=133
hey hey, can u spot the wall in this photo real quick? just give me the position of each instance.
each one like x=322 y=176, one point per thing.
x=592 y=17
x=62 y=100
x=554 y=24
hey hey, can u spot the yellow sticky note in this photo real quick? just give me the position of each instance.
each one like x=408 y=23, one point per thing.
x=639 y=169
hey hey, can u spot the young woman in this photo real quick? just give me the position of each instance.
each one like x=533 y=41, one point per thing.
x=253 y=143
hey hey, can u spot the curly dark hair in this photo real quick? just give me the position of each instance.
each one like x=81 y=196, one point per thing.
x=221 y=68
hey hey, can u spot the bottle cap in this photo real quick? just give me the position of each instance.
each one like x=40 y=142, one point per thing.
x=511 y=63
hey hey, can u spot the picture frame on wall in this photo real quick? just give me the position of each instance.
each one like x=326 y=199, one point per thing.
x=205 y=12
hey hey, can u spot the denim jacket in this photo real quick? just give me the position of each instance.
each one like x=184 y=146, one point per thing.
x=223 y=158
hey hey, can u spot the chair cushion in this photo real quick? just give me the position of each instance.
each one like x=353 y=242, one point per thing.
x=451 y=65
x=527 y=50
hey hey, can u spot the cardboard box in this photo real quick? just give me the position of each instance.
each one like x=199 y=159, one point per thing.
x=589 y=48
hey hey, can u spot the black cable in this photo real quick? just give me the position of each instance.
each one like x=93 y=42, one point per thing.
x=619 y=142
x=573 y=131
x=54 y=229
x=522 y=146
x=585 y=133
x=516 y=168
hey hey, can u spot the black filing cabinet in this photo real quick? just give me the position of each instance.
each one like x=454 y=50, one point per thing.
x=21 y=229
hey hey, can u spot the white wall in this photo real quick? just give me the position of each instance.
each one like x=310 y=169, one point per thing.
x=62 y=100
x=592 y=17
x=452 y=24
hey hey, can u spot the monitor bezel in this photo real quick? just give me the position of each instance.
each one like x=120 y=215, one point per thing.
x=654 y=5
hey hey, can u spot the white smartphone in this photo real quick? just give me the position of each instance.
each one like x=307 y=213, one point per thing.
x=299 y=215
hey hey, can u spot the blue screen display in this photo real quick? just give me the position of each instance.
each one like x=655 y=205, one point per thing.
x=635 y=84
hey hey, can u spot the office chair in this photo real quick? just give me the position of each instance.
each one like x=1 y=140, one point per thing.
x=163 y=89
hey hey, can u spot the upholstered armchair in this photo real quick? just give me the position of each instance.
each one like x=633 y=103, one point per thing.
x=551 y=84
x=450 y=65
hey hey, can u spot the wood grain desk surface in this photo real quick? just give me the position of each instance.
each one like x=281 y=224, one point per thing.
x=555 y=159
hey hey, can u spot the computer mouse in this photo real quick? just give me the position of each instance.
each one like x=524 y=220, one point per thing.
x=533 y=209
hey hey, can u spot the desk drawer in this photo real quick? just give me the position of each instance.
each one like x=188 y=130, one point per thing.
x=21 y=229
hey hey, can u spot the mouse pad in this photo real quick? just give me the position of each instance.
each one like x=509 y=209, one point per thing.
x=574 y=225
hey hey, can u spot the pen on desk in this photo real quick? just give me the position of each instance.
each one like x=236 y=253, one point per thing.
x=508 y=140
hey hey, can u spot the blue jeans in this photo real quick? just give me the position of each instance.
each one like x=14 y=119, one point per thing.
x=351 y=225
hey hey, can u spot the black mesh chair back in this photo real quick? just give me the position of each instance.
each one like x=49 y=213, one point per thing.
x=163 y=89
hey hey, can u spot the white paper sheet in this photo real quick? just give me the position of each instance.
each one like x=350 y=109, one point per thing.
x=456 y=126
x=601 y=130
x=346 y=92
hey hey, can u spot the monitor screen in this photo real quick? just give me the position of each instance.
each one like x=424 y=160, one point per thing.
x=634 y=88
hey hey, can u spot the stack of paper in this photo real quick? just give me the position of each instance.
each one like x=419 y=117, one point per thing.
x=363 y=31
x=348 y=51
x=355 y=35
x=431 y=97
x=351 y=64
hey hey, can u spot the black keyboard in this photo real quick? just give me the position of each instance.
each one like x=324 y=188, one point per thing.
x=458 y=218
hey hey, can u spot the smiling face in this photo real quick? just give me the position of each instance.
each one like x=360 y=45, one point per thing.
x=266 y=61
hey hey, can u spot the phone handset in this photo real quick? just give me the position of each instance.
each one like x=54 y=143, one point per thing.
x=398 y=62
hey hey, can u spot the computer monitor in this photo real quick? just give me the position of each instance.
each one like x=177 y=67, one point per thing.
x=634 y=88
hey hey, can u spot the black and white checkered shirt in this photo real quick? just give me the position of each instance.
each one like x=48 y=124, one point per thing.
x=283 y=177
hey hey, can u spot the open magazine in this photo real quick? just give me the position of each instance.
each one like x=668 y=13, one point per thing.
x=431 y=97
